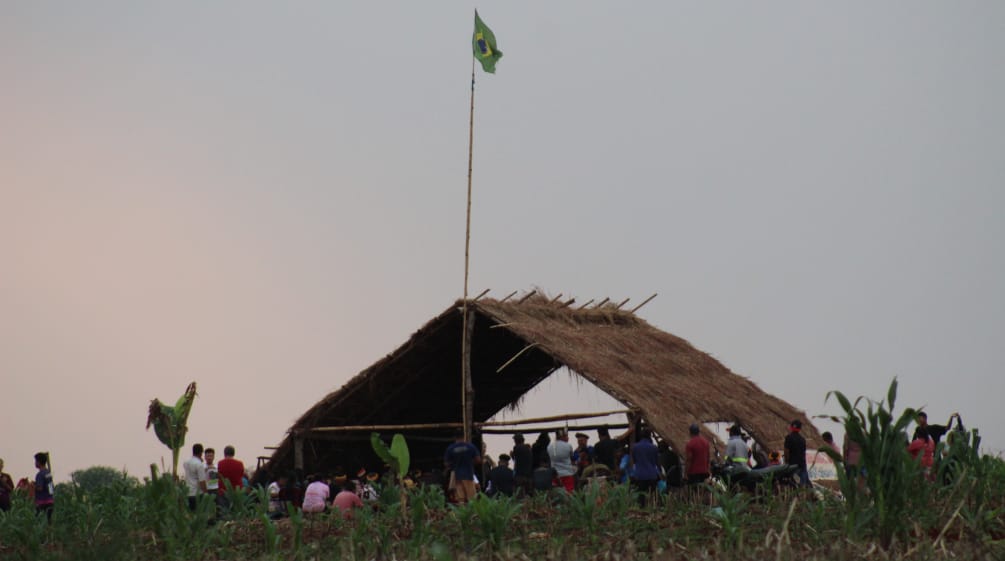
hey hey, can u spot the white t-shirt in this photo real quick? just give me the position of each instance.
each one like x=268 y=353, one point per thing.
x=212 y=479
x=195 y=472
x=560 y=452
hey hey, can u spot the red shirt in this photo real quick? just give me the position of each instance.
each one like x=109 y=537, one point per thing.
x=697 y=452
x=230 y=470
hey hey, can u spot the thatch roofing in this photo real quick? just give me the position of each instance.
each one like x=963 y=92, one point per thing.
x=669 y=381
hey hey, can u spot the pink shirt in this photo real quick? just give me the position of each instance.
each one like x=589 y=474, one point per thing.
x=315 y=497
x=345 y=501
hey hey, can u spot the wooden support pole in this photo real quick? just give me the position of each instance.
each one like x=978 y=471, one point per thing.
x=526 y=296
x=602 y=302
x=569 y=302
x=516 y=356
x=469 y=389
x=555 y=299
x=498 y=325
x=483 y=293
x=644 y=302
x=590 y=301
x=623 y=302
x=298 y=452
x=508 y=296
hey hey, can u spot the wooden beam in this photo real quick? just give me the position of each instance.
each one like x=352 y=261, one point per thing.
x=526 y=296
x=483 y=293
x=568 y=303
x=555 y=299
x=644 y=302
x=554 y=428
x=516 y=356
x=601 y=303
x=508 y=296
x=379 y=428
x=623 y=302
x=566 y=417
x=590 y=301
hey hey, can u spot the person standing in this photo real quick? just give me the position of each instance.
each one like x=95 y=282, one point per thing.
x=6 y=488
x=44 y=490
x=696 y=457
x=560 y=453
x=737 y=452
x=795 y=452
x=461 y=457
x=935 y=432
x=645 y=457
x=523 y=463
x=606 y=448
x=195 y=475
x=582 y=456
x=231 y=470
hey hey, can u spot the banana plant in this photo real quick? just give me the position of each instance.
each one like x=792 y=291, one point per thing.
x=171 y=423
x=396 y=456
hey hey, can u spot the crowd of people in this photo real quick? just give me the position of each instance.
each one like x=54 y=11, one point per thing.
x=636 y=458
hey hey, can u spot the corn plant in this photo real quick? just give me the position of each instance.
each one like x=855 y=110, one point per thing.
x=890 y=474
x=488 y=519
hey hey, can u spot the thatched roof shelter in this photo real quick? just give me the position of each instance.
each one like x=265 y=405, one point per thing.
x=515 y=345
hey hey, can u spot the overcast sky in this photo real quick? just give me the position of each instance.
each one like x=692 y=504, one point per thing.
x=268 y=197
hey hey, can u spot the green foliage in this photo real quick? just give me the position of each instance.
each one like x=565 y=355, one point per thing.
x=397 y=456
x=891 y=475
x=99 y=477
x=730 y=515
x=171 y=423
x=487 y=519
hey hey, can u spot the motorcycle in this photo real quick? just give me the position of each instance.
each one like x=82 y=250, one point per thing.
x=738 y=476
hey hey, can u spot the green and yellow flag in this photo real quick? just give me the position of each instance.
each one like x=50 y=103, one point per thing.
x=484 y=43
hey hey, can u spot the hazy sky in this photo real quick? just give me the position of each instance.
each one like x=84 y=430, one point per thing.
x=268 y=197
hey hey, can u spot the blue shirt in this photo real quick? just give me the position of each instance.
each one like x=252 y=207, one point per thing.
x=43 y=487
x=461 y=457
x=646 y=459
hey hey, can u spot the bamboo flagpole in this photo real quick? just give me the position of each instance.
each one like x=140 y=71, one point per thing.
x=484 y=50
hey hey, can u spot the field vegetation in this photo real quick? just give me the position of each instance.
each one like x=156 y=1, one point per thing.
x=893 y=513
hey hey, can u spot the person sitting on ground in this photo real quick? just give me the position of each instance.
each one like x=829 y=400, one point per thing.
x=277 y=504
x=774 y=458
x=347 y=500
x=501 y=478
x=544 y=476
x=316 y=495
x=368 y=492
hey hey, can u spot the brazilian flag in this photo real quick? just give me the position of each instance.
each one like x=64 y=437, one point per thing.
x=484 y=43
